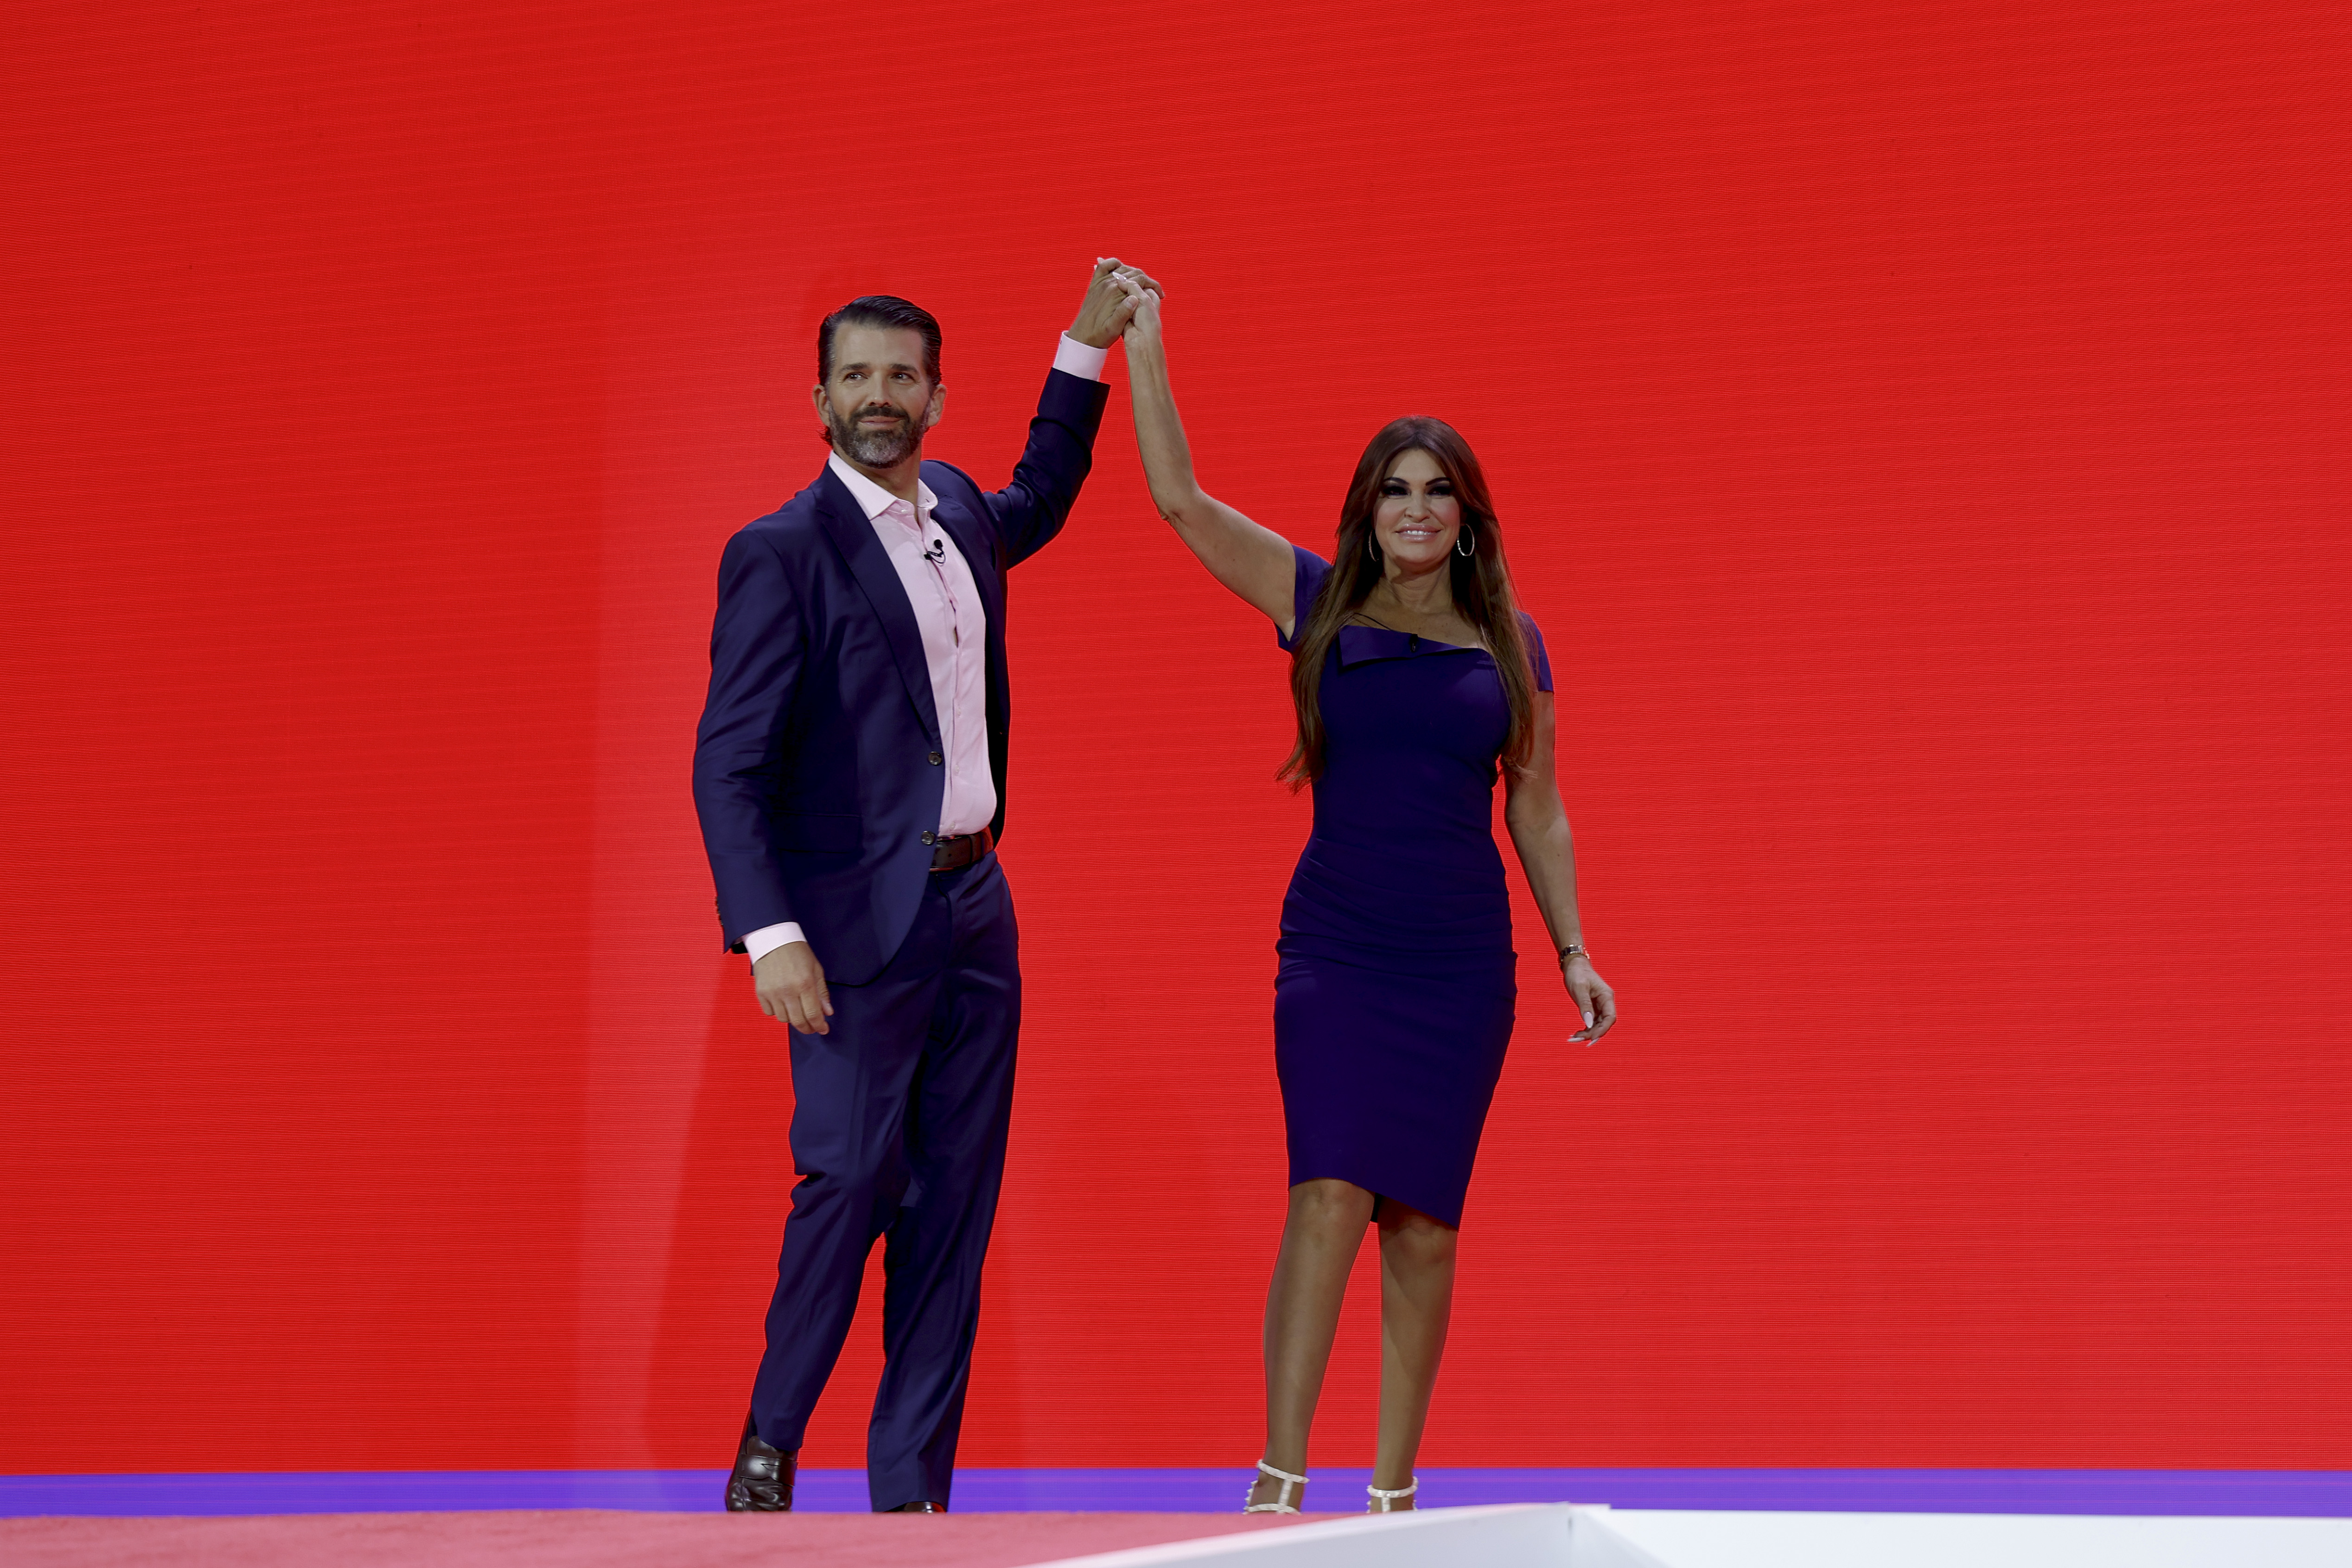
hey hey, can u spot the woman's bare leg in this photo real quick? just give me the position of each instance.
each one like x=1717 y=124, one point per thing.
x=1320 y=1239
x=1416 y=1302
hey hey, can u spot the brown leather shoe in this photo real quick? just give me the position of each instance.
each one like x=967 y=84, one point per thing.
x=918 y=1508
x=761 y=1480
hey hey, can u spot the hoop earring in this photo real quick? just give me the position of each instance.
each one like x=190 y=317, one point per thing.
x=1469 y=534
x=1372 y=549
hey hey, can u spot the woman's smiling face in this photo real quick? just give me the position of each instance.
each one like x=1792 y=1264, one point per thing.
x=1419 y=514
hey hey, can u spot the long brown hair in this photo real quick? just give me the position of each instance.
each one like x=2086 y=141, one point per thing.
x=1482 y=589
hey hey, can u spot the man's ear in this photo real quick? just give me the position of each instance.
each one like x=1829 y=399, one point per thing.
x=817 y=401
x=939 y=404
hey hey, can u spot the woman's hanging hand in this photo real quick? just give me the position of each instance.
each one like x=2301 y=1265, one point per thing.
x=1594 y=1001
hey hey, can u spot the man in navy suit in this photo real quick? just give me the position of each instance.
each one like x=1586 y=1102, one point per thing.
x=849 y=773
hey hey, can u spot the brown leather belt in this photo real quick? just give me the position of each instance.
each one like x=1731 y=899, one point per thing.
x=955 y=854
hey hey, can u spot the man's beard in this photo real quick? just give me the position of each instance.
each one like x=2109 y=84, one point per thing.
x=884 y=447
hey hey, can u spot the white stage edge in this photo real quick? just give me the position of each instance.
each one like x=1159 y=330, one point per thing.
x=1563 y=1535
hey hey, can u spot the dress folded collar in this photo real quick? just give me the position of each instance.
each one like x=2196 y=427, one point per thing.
x=1368 y=645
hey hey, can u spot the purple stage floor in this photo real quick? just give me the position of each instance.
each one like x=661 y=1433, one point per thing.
x=2274 y=1493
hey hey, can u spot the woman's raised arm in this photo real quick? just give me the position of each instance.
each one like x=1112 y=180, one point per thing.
x=1252 y=561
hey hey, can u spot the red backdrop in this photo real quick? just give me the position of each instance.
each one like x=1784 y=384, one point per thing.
x=1920 y=431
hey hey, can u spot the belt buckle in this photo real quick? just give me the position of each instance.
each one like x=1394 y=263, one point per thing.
x=968 y=849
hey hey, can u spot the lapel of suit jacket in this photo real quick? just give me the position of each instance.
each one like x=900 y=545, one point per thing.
x=977 y=548
x=845 y=521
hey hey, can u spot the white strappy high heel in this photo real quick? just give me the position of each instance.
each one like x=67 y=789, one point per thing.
x=1281 y=1503
x=1386 y=1501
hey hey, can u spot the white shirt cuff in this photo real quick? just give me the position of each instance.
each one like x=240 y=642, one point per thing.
x=758 y=944
x=1075 y=358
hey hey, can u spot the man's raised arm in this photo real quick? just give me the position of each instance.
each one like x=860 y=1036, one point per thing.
x=1060 y=454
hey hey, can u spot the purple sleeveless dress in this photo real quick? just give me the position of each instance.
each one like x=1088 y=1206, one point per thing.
x=1393 y=1003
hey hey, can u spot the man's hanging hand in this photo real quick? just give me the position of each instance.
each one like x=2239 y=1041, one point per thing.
x=791 y=984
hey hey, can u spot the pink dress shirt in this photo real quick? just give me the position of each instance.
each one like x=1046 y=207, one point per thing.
x=948 y=611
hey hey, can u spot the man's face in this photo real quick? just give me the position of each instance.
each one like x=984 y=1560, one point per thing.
x=878 y=403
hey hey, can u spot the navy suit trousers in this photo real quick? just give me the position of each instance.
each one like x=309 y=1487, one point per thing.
x=899 y=1126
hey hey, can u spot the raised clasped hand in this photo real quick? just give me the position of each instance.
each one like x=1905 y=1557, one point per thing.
x=1143 y=305
x=1110 y=299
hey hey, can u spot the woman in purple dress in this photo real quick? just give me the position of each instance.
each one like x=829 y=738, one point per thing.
x=1417 y=684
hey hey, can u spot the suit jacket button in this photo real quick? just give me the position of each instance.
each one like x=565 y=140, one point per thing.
x=928 y=836
x=937 y=759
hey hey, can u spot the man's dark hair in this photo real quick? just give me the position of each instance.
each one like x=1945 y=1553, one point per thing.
x=881 y=310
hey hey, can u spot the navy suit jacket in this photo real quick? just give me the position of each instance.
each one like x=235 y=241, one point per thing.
x=817 y=765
